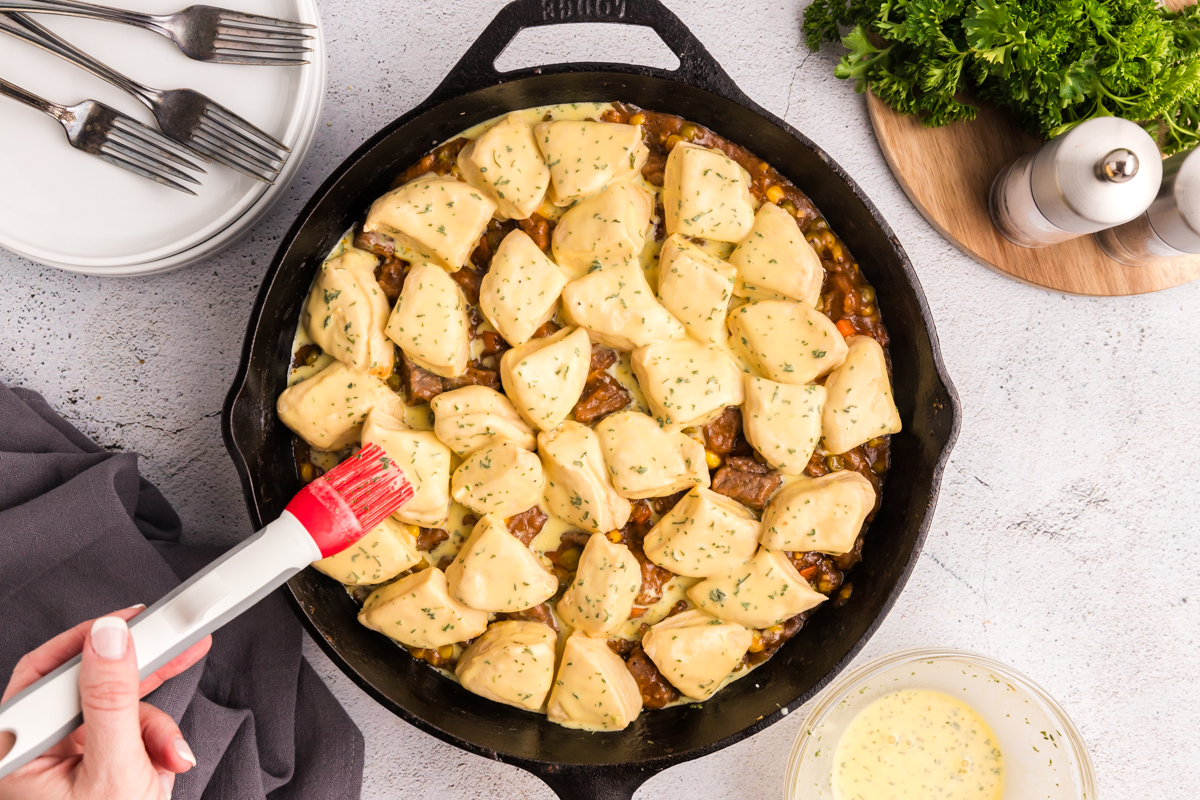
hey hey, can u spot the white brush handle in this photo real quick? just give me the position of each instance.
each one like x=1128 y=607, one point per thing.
x=44 y=713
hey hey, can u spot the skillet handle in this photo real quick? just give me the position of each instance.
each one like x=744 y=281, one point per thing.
x=595 y=782
x=477 y=68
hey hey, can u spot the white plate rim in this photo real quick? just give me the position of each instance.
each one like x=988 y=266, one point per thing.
x=302 y=125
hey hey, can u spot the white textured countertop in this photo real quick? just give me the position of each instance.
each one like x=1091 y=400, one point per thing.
x=1064 y=541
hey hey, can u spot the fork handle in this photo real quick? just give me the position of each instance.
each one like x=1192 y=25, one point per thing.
x=75 y=8
x=24 y=28
x=30 y=99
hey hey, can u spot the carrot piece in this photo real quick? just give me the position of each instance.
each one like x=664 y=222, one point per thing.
x=808 y=572
x=845 y=328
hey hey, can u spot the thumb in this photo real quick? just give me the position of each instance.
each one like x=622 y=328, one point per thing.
x=108 y=692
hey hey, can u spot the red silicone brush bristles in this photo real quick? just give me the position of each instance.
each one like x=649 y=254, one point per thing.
x=371 y=484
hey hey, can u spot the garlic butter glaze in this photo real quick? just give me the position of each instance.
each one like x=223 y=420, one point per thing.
x=918 y=744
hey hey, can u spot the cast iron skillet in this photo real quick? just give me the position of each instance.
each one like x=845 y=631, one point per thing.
x=577 y=764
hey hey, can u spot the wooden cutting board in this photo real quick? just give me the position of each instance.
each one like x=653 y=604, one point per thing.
x=947 y=173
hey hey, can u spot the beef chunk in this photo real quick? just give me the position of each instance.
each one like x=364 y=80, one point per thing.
x=751 y=486
x=664 y=504
x=526 y=525
x=633 y=534
x=420 y=385
x=539 y=229
x=622 y=647
x=375 y=242
x=547 y=329
x=440 y=162
x=390 y=276
x=491 y=238
x=539 y=613
x=493 y=344
x=600 y=398
x=678 y=608
x=431 y=538
x=656 y=691
x=476 y=375
x=602 y=358
x=774 y=638
x=468 y=280
x=722 y=433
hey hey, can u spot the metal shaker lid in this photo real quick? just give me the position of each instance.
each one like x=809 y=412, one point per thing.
x=1175 y=213
x=1101 y=173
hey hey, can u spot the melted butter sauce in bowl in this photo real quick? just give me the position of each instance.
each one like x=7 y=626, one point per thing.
x=915 y=744
x=938 y=725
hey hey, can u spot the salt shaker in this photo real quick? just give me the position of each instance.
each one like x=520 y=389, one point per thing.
x=1103 y=172
x=1170 y=227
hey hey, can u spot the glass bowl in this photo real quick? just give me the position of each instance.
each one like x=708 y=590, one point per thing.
x=1044 y=755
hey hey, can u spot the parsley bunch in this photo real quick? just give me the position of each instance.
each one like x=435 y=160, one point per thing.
x=1052 y=63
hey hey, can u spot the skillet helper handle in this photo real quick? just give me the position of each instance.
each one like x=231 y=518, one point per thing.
x=44 y=713
x=596 y=782
x=477 y=67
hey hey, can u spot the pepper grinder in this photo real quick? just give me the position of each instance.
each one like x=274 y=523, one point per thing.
x=1101 y=173
x=1171 y=226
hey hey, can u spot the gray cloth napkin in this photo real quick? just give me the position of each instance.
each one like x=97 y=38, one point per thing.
x=82 y=534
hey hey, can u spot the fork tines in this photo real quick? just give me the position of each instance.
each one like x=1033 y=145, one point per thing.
x=230 y=140
x=254 y=39
x=128 y=144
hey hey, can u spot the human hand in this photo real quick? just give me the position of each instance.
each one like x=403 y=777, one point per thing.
x=125 y=749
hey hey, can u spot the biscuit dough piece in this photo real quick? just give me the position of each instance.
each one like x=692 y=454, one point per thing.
x=328 y=409
x=859 y=404
x=685 y=382
x=584 y=156
x=495 y=572
x=545 y=377
x=776 y=262
x=646 y=461
x=424 y=460
x=512 y=663
x=520 y=291
x=617 y=307
x=579 y=487
x=499 y=479
x=438 y=218
x=505 y=164
x=473 y=417
x=603 y=230
x=696 y=288
x=593 y=690
x=706 y=194
x=418 y=611
x=346 y=313
x=704 y=534
x=764 y=591
x=378 y=556
x=600 y=598
x=786 y=341
x=696 y=651
x=824 y=514
x=430 y=322
x=782 y=421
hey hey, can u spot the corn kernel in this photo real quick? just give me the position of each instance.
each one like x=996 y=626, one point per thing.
x=711 y=459
x=756 y=644
x=446 y=652
x=412 y=530
x=637 y=119
x=774 y=630
x=673 y=140
x=774 y=193
x=614 y=537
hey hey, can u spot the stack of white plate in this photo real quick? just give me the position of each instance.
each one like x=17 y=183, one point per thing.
x=66 y=209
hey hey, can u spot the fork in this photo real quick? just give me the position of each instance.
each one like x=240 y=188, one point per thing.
x=111 y=136
x=203 y=33
x=184 y=115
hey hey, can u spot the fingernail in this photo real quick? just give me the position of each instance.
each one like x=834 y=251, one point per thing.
x=184 y=751
x=138 y=606
x=168 y=783
x=110 y=637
